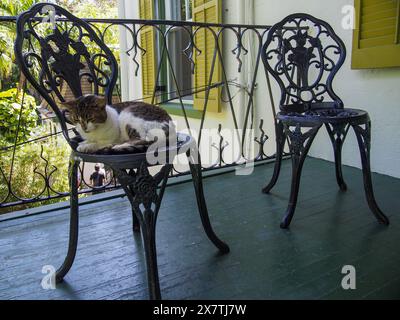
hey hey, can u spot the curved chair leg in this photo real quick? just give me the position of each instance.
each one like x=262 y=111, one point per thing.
x=74 y=221
x=135 y=221
x=337 y=134
x=141 y=189
x=149 y=242
x=280 y=144
x=364 y=143
x=195 y=169
x=299 y=144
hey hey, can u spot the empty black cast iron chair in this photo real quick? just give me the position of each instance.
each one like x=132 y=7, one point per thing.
x=54 y=48
x=304 y=54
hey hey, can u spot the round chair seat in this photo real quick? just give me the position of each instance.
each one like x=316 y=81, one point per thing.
x=131 y=160
x=327 y=115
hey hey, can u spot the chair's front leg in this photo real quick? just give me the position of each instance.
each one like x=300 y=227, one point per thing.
x=141 y=189
x=337 y=134
x=280 y=144
x=135 y=221
x=299 y=144
x=195 y=169
x=74 y=220
x=364 y=143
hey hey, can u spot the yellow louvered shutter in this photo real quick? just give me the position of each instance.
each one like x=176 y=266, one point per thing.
x=376 y=38
x=147 y=42
x=206 y=11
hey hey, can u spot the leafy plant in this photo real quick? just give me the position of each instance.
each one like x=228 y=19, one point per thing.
x=15 y=7
x=34 y=163
x=10 y=113
x=5 y=59
x=102 y=9
x=7 y=37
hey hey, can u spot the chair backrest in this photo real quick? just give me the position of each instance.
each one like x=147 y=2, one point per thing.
x=61 y=54
x=303 y=54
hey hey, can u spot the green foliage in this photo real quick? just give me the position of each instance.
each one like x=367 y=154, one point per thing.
x=8 y=33
x=81 y=8
x=32 y=162
x=15 y=7
x=5 y=59
x=106 y=10
x=10 y=111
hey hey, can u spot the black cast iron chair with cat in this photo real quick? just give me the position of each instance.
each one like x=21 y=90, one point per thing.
x=53 y=53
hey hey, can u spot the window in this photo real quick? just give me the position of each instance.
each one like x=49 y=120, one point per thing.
x=376 y=38
x=178 y=40
x=168 y=82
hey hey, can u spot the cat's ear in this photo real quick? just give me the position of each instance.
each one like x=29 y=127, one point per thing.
x=69 y=105
x=100 y=101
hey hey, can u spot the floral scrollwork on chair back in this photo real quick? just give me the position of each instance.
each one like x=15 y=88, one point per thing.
x=304 y=54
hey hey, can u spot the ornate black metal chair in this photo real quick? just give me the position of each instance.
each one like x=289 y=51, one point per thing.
x=55 y=48
x=304 y=54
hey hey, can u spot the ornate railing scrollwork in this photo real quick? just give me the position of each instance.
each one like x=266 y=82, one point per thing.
x=84 y=61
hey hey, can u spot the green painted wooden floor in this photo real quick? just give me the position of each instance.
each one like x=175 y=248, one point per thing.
x=330 y=229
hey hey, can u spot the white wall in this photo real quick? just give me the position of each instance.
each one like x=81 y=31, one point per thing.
x=377 y=91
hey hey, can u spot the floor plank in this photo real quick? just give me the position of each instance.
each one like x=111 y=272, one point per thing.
x=330 y=229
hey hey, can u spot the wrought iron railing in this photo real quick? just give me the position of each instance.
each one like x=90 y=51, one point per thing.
x=248 y=106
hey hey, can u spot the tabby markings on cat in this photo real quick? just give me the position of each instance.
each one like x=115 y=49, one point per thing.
x=119 y=127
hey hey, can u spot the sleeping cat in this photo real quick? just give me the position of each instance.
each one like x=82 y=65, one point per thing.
x=122 y=127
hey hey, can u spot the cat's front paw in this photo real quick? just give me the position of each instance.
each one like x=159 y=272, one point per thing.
x=87 y=147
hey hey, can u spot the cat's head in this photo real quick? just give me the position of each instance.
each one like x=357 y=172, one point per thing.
x=87 y=112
